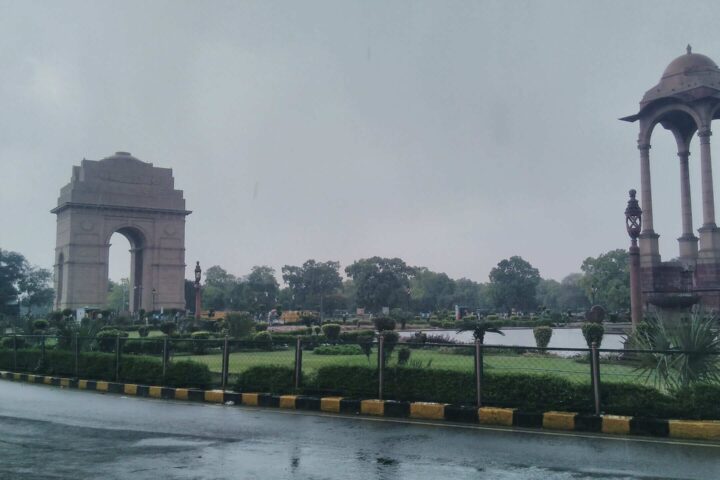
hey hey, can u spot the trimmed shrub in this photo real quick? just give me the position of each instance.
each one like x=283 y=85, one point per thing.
x=353 y=335
x=384 y=323
x=390 y=340
x=338 y=350
x=542 y=336
x=7 y=342
x=147 y=347
x=168 y=328
x=200 y=342
x=106 y=339
x=188 y=374
x=331 y=331
x=39 y=326
x=261 y=327
x=263 y=340
x=143 y=331
x=267 y=378
x=593 y=332
x=403 y=356
x=239 y=325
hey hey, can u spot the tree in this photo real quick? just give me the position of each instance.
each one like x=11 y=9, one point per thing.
x=118 y=295
x=607 y=280
x=431 y=291
x=35 y=288
x=381 y=282
x=312 y=282
x=262 y=289
x=513 y=284
x=13 y=268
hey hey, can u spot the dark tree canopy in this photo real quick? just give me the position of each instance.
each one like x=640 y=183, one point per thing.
x=381 y=282
x=23 y=284
x=607 y=280
x=311 y=283
x=513 y=284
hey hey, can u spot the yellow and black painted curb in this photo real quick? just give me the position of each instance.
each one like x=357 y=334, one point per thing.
x=568 y=421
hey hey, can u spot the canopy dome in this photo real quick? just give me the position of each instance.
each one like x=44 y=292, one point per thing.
x=689 y=64
x=689 y=77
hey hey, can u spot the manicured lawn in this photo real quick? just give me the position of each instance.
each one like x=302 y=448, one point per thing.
x=151 y=333
x=565 y=367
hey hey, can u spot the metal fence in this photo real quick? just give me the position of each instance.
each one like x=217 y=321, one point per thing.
x=446 y=372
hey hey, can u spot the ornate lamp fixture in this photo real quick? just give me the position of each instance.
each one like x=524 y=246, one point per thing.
x=633 y=218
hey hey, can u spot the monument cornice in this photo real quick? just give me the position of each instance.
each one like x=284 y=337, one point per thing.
x=94 y=206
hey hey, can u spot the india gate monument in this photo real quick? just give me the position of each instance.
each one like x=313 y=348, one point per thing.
x=685 y=102
x=125 y=195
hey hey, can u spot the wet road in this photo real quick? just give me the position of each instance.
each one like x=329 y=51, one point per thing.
x=49 y=433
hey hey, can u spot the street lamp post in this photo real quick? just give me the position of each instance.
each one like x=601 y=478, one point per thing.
x=154 y=292
x=198 y=299
x=633 y=223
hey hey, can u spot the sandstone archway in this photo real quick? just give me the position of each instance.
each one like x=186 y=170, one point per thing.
x=125 y=195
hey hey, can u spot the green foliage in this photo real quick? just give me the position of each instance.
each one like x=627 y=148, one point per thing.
x=593 y=332
x=267 y=378
x=188 y=374
x=365 y=342
x=107 y=339
x=478 y=328
x=13 y=342
x=331 y=331
x=40 y=326
x=352 y=335
x=697 y=341
x=384 y=324
x=239 y=325
x=101 y=366
x=261 y=327
x=312 y=281
x=607 y=280
x=153 y=346
x=263 y=340
x=390 y=340
x=403 y=356
x=338 y=350
x=542 y=336
x=401 y=316
x=143 y=331
x=168 y=328
x=380 y=282
x=513 y=284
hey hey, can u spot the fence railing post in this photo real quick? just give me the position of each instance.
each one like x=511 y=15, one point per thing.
x=225 y=362
x=15 y=351
x=165 y=355
x=42 y=352
x=77 y=356
x=117 y=358
x=381 y=366
x=595 y=373
x=298 y=362
x=478 y=372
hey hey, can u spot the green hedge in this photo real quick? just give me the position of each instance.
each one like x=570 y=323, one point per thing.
x=270 y=378
x=338 y=350
x=101 y=366
x=523 y=391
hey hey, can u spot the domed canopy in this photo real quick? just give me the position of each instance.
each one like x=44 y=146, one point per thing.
x=688 y=78
x=689 y=64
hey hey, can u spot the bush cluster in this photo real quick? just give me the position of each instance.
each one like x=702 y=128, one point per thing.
x=101 y=366
x=338 y=350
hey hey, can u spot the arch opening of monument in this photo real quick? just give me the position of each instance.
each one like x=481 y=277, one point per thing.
x=120 y=195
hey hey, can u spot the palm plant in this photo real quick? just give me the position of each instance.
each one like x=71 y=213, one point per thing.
x=696 y=340
x=479 y=328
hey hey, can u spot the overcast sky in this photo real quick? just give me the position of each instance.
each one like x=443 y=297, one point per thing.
x=450 y=134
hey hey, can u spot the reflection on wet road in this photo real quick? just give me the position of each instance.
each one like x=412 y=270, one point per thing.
x=51 y=433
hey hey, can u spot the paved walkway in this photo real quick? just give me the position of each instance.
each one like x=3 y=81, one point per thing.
x=49 y=433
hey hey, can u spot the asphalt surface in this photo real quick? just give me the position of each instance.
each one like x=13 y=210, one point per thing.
x=52 y=433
